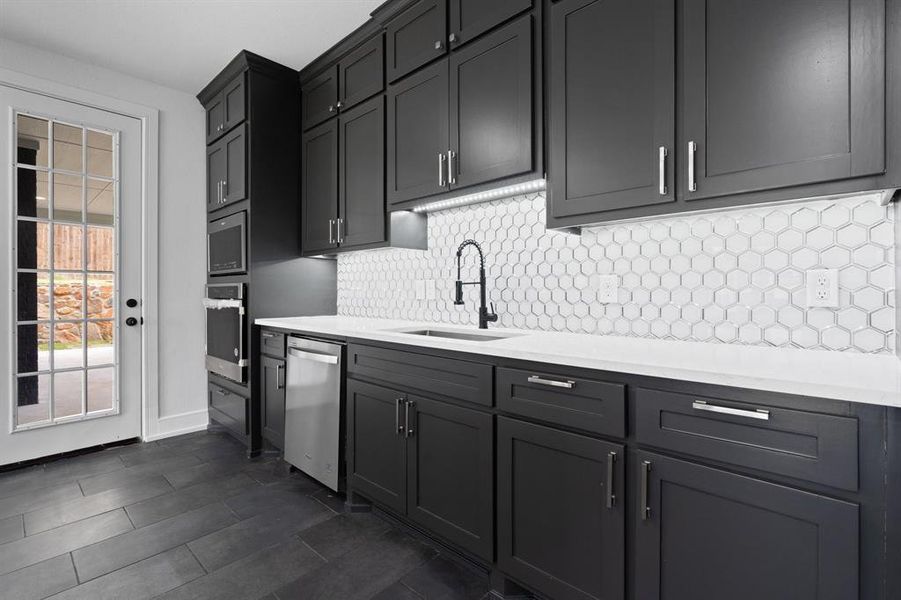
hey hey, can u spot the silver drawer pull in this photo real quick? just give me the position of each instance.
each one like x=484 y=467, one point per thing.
x=761 y=414
x=269 y=335
x=314 y=356
x=551 y=382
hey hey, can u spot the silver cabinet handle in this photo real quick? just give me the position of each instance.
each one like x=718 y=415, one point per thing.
x=407 y=406
x=761 y=414
x=331 y=237
x=269 y=334
x=661 y=174
x=438 y=45
x=338 y=235
x=218 y=192
x=441 y=159
x=339 y=105
x=329 y=359
x=692 y=180
x=224 y=192
x=452 y=38
x=451 y=167
x=611 y=466
x=645 y=508
x=398 y=428
x=551 y=382
x=331 y=108
x=278 y=377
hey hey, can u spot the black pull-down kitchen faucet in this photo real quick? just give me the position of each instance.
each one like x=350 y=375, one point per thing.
x=485 y=317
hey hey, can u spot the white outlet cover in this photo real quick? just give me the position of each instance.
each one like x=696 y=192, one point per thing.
x=430 y=293
x=608 y=289
x=419 y=289
x=822 y=288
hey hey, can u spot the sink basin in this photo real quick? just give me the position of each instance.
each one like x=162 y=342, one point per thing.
x=472 y=336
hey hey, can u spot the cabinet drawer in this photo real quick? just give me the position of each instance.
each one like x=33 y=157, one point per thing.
x=596 y=406
x=229 y=409
x=272 y=343
x=807 y=446
x=459 y=379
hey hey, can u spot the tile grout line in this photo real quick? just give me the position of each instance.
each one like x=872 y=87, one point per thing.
x=304 y=542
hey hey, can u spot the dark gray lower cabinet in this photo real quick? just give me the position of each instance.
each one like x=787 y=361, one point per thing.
x=376 y=448
x=272 y=384
x=707 y=534
x=450 y=473
x=560 y=511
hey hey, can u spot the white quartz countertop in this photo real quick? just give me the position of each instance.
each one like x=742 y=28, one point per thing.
x=871 y=379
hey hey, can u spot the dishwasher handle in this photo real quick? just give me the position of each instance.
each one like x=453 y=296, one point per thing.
x=330 y=359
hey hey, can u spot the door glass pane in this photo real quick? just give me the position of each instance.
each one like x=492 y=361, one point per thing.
x=101 y=241
x=31 y=140
x=68 y=389
x=101 y=202
x=100 y=389
x=33 y=345
x=31 y=193
x=67 y=197
x=32 y=399
x=68 y=346
x=68 y=296
x=68 y=247
x=101 y=350
x=67 y=147
x=33 y=245
x=100 y=154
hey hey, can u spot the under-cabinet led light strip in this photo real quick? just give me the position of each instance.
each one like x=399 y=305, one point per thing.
x=505 y=192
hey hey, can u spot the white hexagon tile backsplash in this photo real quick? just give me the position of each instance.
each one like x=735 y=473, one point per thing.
x=729 y=277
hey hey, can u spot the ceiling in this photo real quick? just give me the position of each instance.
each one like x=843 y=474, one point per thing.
x=181 y=44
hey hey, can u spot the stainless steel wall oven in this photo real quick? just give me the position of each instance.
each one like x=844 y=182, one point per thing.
x=226 y=328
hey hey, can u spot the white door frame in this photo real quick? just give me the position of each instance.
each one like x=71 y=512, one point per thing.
x=149 y=118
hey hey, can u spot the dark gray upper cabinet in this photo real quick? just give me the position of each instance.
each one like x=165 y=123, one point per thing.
x=361 y=73
x=471 y=18
x=450 y=473
x=491 y=118
x=272 y=386
x=319 y=188
x=226 y=109
x=779 y=94
x=361 y=174
x=612 y=103
x=376 y=446
x=227 y=169
x=418 y=135
x=416 y=37
x=319 y=98
x=561 y=512
x=730 y=536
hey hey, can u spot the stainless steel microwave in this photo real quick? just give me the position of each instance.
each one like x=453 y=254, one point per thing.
x=227 y=245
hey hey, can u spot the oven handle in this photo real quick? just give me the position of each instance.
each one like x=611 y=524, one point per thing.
x=218 y=304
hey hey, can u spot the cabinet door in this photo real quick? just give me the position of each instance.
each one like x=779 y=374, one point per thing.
x=417 y=135
x=376 y=448
x=560 y=510
x=361 y=181
x=417 y=36
x=362 y=73
x=319 y=98
x=319 y=185
x=470 y=18
x=450 y=481
x=215 y=175
x=215 y=118
x=730 y=536
x=491 y=116
x=612 y=104
x=272 y=385
x=779 y=93
x=235 y=186
x=233 y=99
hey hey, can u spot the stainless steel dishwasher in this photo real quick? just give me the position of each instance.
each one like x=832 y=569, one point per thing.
x=313 y=408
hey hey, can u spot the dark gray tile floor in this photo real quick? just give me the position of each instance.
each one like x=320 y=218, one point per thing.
x=190 y=517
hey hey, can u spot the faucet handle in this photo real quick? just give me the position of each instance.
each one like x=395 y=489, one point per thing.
x=491 y=316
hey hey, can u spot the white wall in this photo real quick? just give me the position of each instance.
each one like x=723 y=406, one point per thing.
x=182 y=381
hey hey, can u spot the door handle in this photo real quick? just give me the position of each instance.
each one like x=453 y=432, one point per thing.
x=611 y=467
x=551 y=382
x=692 y=180
x=409 y=404
x=761 y=414
x=278 y=377
x=131 y=321
x=398 y=428
x=661 y=174
x=441 y=159
x=645 y=483
x=451 y=167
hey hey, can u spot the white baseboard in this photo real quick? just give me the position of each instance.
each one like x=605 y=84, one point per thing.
x=173 y=425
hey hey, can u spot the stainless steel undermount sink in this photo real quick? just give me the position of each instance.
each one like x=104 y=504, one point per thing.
x=472 y=336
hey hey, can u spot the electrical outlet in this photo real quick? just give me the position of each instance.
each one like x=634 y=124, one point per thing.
x=608 y=288
x=430 y=293
x=419 y=289
x=822 y=288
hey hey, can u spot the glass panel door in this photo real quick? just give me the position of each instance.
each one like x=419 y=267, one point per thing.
x=66 y=192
